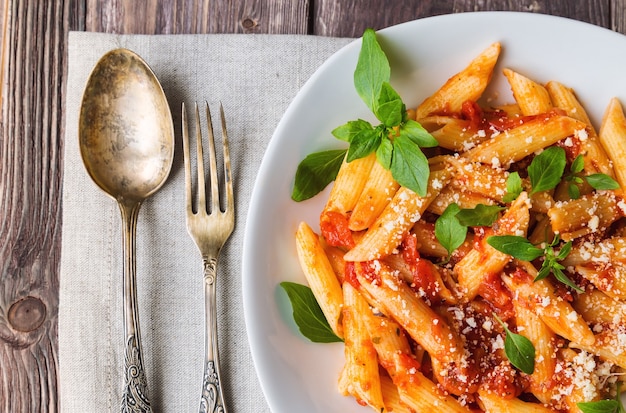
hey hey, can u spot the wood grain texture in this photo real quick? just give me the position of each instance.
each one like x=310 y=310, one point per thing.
x=30 y=202
x=32 y=76
x=196 y=16
x=351 y=17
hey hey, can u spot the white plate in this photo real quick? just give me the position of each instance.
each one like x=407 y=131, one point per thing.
x=299 y=376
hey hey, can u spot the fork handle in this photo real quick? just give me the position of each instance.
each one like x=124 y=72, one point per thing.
x=212 y=400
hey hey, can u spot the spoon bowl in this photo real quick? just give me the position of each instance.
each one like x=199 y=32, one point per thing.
x=126 y=130
x=126 y=138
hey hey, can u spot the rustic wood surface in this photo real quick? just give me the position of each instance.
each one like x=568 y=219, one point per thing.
x=32 y=75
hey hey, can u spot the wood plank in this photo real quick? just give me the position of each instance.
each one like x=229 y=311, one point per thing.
x=31 y=170
x=618 y=16
x=351 y=17
x=197 y=16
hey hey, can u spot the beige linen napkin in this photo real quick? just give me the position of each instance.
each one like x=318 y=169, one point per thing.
x=255 y=77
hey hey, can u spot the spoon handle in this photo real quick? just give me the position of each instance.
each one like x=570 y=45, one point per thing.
x=212 y=393
x=135 y=394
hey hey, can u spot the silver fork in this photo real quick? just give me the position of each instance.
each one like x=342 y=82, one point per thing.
x=209 y=230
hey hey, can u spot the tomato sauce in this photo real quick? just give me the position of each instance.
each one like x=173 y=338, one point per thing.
x=335 y=229
x=422 y=270
x=493 y=290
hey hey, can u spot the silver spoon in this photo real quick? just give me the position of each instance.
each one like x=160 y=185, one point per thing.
x=126 y=138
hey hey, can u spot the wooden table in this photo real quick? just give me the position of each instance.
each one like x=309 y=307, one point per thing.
x=33 y=71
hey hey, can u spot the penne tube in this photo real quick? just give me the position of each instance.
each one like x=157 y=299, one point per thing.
x=540 y=296
x=478 y=178
x=598 y=308
x=608 y=345
x=396 y=219
x=391 y=397
x=320 y=275
x=531 y=97
x=376 y=195
x=425 y=326
x=349 y=183
x=613 y=138
x=603 y=251
x=607 y=277
x=361 y=367
x=529 y=137
x=492 y=403
x=543 y=339
x=589 y=214
x=473 y=269
x=422 y=395
x=596 y=159
x=457 y=135
x=468 y=84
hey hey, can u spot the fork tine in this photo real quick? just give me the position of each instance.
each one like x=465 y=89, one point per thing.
x=187 y=162
x=227 y=174
x=215 y=189
x=200 y=163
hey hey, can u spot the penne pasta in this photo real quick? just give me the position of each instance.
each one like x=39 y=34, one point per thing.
x=532 y=98
x=349 y=183
x=469 y=84
x=521 y=141
x=403 y=211
x=376 y=195
x=361 y=369
x=612 y=136
x=320 y=276
x=503 y=289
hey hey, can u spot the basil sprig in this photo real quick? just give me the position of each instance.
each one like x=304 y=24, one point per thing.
x=396 y=140
x=522 y=249
x=518 y=349
x=308 y=314
x=596 y=181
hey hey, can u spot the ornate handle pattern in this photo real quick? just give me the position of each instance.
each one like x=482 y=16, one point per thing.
x=212 y=400
x=135 y=397
x=135 y=393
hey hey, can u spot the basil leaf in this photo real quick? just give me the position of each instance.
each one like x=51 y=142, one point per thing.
x=601 y=181
x=518 y=247
x=565 y=250
x=416 y=132
x=372 y=69
x=390 y=110
x=315 y=172
x=349 y=130
x=573 y=191
x=577 y=165
x=449 y=231
x=600 y=406
x=390 y=113
x=385 y=152
x=520 y=352
x=409 y=166
x=364 y=143
x=481 y=215
x=308 y=315
x=513 y=187
x=544 y=271
x=546 y=169
x=559 y=275
x=518 y=349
